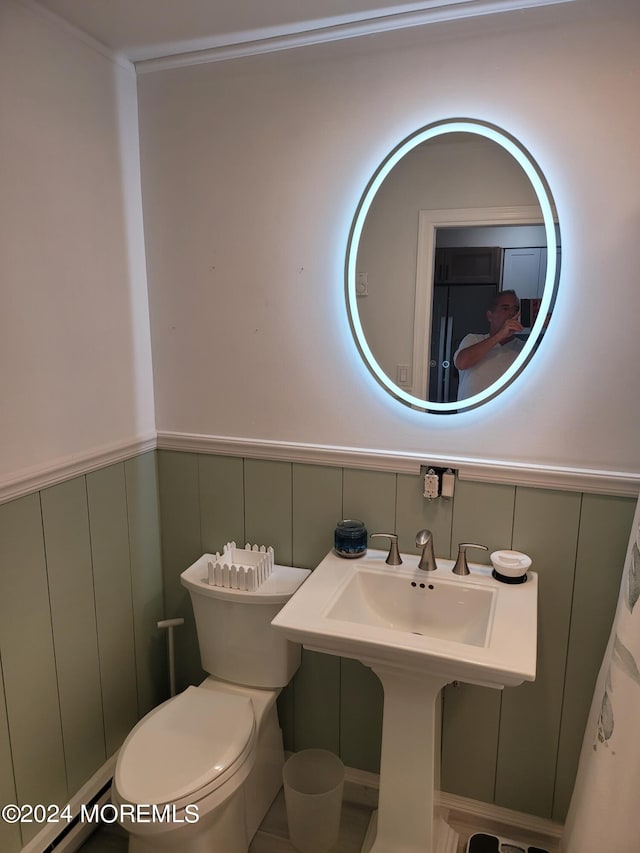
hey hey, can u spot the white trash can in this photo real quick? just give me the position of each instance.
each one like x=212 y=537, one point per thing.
x=313 y=784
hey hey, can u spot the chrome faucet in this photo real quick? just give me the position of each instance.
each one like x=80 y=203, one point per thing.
x=424 y=540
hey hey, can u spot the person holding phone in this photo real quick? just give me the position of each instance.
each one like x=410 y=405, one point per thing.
x=481 y=359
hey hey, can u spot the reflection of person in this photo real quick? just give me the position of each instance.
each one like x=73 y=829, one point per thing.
x=481 y=359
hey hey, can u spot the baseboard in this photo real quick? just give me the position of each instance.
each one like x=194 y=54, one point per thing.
x=474 y=811
x=362 y=787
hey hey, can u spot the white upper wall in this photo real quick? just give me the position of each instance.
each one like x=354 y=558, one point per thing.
x=252 y=171
x=75 y=344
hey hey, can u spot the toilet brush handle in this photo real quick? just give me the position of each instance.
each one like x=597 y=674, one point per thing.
x=170 y=624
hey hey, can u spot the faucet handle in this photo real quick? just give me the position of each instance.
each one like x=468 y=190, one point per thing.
x=461 y=567
x=393 y=557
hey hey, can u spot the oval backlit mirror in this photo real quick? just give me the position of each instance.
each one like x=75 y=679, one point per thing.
x=455 y=242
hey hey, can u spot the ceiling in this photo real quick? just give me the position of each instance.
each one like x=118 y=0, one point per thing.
x=146 y=31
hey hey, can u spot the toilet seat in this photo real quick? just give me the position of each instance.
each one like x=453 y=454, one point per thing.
x=186 y=748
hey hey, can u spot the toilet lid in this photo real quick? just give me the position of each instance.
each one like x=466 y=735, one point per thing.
x=184 y=746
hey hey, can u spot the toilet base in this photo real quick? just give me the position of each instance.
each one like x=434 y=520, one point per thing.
x=224 y=828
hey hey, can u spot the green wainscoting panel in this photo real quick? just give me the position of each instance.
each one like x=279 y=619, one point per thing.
x=145 y=557
x=286 y=716
x=415 y=512
x=10 y=838
x=317 y=504
x=28 y=661
x=506 y=746
x=268 y=506
x=605 y=524
x=316 y=702
x=470 y=729
x=181 y=546
x=361 y=700
x=221 y=502
x=109 y=527
x=545 y=527
x=80 y=599
x=483 y=513
x=371 y=497
x=317 y=507
x=73 y=613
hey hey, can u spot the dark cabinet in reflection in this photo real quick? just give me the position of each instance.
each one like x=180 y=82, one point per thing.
x=465 y=279
x=458 y=309
x=468 y=265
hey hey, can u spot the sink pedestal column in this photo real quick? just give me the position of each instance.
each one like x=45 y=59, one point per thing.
x=405 y=819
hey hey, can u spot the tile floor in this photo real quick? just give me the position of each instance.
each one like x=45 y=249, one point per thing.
x=272 y=837
x=106 y=839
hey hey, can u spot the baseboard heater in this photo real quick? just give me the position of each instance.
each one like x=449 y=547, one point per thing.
x=75 y=829
x=64 y=837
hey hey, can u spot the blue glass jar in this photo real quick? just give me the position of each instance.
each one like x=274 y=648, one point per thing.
x=350 y=538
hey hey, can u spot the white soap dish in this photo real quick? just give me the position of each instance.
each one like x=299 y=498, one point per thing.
x=240 y=568
x=510 y=566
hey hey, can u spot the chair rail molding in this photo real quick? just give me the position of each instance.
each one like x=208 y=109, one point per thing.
x=28 y=480
x=541 y=476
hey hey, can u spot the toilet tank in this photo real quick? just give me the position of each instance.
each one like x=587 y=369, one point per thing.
x=236 y=640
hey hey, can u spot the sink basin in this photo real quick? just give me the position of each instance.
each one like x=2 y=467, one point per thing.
x=469 y=628
x=417 y=631
x=397 y=601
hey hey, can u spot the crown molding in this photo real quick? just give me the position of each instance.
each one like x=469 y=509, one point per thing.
x=272 y=39
x=75 y=32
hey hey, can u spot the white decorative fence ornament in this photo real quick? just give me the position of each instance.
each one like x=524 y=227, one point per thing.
x=240 y=568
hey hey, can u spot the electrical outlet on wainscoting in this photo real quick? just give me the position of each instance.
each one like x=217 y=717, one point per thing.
x=445 y=485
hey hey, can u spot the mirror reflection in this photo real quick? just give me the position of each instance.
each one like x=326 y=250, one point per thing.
x=453 y=225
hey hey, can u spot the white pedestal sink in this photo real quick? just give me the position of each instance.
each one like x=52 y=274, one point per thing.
x=417 y=631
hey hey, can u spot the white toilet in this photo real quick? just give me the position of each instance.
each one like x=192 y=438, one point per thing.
x=199 y=772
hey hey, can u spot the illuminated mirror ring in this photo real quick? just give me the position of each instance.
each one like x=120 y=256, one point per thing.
x=544 y=200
